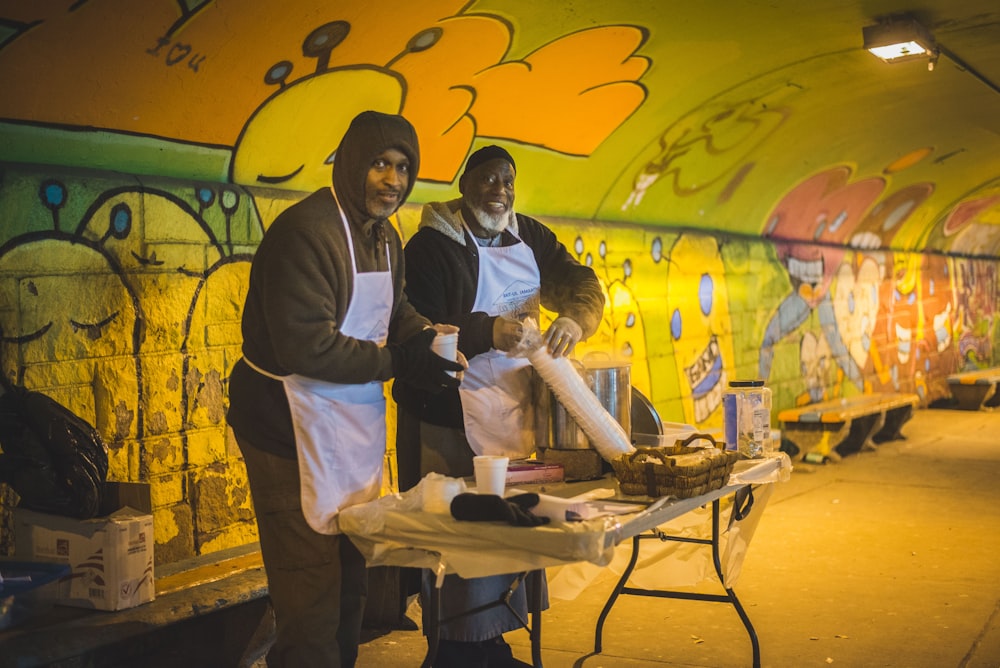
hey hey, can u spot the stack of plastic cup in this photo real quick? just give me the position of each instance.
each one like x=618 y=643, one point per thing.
x=607 y=436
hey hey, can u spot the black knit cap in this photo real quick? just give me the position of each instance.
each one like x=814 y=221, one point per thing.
x=485 y=154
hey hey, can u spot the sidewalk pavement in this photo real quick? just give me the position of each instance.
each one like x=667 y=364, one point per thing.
x=890 y=557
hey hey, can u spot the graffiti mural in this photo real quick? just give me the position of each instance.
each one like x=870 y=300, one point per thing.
x=276 y=112
x=127 y=311
x=732 y=237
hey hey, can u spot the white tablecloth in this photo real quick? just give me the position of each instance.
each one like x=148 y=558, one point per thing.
x=394 y=530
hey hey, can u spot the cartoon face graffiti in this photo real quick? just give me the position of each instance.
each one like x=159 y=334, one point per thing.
x=699 y=319
x=855 y=306
x=826 y=209
x=938 y=325
x=72 y=319
x=817 y=365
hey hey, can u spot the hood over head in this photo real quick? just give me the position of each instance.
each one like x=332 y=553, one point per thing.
x=370 y=133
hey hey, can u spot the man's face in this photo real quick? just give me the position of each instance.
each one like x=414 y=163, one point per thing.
x=488 y=190
x=388 y=178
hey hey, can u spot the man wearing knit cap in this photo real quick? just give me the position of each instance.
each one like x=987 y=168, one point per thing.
x=325 y=323
x=476 y=263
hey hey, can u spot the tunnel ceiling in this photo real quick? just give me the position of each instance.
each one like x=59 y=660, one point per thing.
x=752 y=117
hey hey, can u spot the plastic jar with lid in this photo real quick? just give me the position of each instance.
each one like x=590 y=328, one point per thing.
x=747 y=418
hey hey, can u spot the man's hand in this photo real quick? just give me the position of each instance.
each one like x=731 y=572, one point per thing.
x=415 y=363
x=460 y=358
x=442 y=328
x=562 y=336
x=507 y=333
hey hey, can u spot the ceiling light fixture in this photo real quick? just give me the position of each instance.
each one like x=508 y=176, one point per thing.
x=901 y=38
x=898 y=39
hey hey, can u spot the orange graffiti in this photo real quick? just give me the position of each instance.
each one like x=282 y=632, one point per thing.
x=455 y=85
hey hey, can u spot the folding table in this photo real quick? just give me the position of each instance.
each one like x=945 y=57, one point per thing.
x=394 y=530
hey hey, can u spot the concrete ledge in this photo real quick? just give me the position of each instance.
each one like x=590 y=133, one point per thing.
x=192 y=622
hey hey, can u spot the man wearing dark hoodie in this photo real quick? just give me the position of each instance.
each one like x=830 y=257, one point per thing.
x=325 y=323
x=476 y=263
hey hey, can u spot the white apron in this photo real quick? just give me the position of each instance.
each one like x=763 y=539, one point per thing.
x=496 y=389
x=340 y=431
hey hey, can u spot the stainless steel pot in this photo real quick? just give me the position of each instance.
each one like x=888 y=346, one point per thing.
x=611 y=383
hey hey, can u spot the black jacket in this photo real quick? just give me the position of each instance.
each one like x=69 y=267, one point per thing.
x=442 y=271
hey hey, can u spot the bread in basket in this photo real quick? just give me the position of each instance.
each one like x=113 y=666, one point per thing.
x=679 y=470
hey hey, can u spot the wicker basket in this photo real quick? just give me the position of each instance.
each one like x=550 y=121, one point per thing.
x=678 y=470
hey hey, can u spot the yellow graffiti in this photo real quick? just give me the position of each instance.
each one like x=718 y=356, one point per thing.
x=290 y=140
x=698 y=299
x=703 y=147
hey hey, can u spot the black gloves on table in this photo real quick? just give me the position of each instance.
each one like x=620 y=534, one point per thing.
x=415 y=363
x=515 y=510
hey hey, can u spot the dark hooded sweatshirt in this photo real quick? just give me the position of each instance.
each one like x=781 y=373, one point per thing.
x=301 y=283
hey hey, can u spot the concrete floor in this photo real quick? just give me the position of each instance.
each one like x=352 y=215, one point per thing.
x=889 y=558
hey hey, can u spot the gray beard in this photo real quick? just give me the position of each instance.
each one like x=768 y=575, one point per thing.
x=493 y=223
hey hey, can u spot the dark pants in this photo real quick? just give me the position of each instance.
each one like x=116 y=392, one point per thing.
x=408 y=468
x=318 y=583
x=423 y=448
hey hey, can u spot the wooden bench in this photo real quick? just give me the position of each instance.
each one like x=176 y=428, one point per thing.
x=975 y=390
x=844 y=426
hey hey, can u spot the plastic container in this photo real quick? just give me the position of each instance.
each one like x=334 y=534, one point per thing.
x=747 y=418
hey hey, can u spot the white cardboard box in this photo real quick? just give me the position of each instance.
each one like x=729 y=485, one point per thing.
x=111 y=557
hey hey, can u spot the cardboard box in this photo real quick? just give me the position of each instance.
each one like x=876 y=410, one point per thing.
x=117 y=495
x=111 y=557
x=530 y=471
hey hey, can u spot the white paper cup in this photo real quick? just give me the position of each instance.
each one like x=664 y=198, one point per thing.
x=446 y=346
x=491 y=474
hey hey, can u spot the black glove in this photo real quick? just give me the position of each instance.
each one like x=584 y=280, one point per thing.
x=415 y=363
x=490 y=507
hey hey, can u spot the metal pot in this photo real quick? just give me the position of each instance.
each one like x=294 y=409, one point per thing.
x=611 y=383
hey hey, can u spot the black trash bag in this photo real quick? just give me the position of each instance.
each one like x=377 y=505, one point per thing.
x=55 y=461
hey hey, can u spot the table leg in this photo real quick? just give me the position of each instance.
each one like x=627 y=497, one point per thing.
x=754 y=642
x=433 y=630
x=729 y=597
x=535 y=608
x=615 y=594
